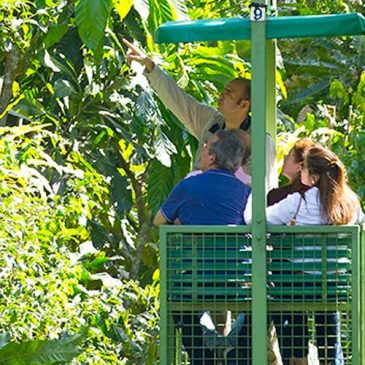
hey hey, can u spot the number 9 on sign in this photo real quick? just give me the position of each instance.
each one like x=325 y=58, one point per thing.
x=257 y=13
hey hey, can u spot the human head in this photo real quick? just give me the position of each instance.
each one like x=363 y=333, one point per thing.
x=246 y=140
x=322 y=168
x=294 y=159
x=223 y=150
x=235 y=97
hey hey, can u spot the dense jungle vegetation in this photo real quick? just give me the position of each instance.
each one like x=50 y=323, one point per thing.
x=88 y=153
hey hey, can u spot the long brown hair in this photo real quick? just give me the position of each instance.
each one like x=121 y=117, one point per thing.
x=338 y=201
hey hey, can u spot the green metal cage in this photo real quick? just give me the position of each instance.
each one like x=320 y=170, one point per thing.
x=313 y=281
x=305 y=279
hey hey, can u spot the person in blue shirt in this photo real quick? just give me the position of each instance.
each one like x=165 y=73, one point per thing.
x=215 y=197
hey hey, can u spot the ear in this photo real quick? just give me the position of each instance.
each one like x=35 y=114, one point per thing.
x=212 y=158
x=314 y=179
x=245 y=104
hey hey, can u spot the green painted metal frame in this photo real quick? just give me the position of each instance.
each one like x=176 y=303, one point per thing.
x=260 y=69
x=277 y=28
x=164 y=230
x=358 y=283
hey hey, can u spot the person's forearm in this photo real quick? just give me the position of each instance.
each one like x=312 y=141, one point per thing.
x=193 y=114
x=159 y=219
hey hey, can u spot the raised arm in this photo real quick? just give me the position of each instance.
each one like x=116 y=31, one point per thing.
x=193 y=114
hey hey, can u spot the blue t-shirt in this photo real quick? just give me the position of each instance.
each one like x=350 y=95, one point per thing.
x=215 y=197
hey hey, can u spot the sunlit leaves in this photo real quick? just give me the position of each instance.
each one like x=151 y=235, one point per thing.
x=142 y=7
x=358 y=98
x=164 y=148
x=39 y=352
x=50 y=288
x=91 y=19
x=338 y=91
x=123 y=7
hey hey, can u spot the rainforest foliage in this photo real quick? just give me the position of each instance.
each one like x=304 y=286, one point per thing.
x=88 y=153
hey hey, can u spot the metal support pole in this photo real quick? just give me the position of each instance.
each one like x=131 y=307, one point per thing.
x=258 y=99
x=164 y=330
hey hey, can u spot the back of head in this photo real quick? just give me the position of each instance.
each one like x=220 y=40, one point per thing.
x=246 y=140
x=300 y=146
x=338 y=201
x=228 y=149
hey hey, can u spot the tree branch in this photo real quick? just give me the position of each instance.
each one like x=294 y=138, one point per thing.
x=12 y=61
x=136 y=185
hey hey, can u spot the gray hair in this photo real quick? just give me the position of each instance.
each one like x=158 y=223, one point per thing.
x=229 y=150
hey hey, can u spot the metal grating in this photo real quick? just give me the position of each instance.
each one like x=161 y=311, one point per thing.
x=310 y=295
x=312 y=290
x=209 y=273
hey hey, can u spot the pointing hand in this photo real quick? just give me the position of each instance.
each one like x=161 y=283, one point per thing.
x=136 y=54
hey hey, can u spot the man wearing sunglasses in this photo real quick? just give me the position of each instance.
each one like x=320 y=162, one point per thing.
x=203 y=120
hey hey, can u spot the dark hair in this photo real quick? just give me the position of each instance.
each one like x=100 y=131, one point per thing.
x=298 y=150
x=338 y=201
x=228 y=149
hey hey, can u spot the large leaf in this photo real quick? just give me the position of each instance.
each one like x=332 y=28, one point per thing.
x=179 y=7
x=122 y=196
x=162 y=179
x=164 y=148
x=91 y=19
x=309 y=91
x=123 y=7
x=142 y=7
x=55 y=34
x=38 y=352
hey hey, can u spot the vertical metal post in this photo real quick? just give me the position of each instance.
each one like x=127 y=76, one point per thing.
x=258 y=133
x=164 y=331
x=356 y=293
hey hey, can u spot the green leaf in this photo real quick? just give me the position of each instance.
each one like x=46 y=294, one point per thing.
x=38 y=352
x=91 y=19
x=164 y=148
x=337 y=90
x=122 y=196
x=55 y=34
x=123 y=7
x=60 y=67
x=179 y=7
x=309 y=91
x=98 y=234
x=4 y=339
x=63 y=88
x=142 y=7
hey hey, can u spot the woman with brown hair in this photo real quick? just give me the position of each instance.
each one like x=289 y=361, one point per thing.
x=291 y=170
x=322 y=197
x=329 y=199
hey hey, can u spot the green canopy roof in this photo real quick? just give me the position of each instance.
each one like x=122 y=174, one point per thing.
x=276 y=27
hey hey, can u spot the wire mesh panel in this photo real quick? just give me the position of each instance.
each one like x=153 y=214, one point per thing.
x=208 y=295
x=310 y=294
x=314 y=288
